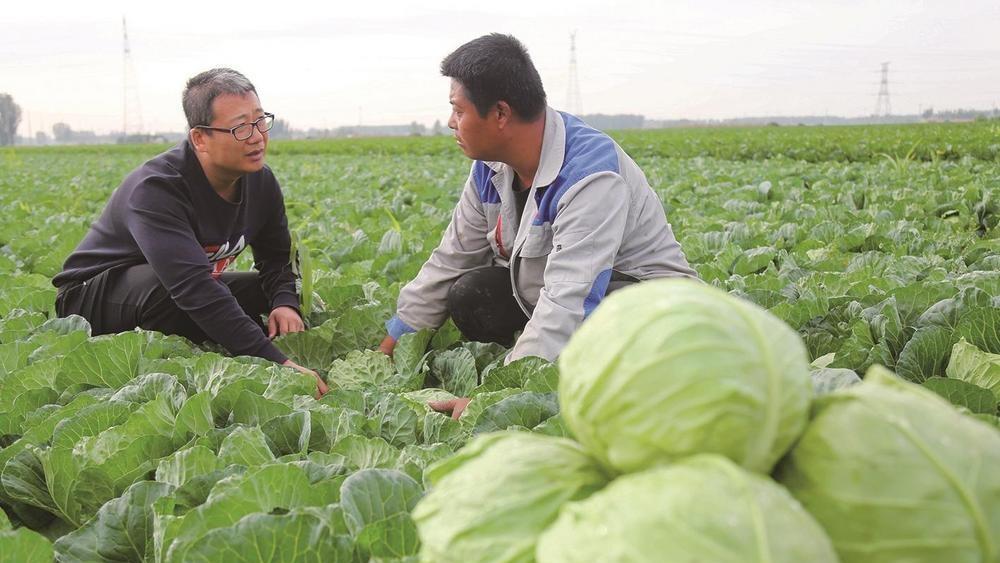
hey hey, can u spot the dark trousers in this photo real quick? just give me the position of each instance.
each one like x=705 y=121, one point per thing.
x=121 y=299
x=481 y=304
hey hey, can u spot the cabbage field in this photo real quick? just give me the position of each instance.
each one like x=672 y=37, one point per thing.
x=720 y=422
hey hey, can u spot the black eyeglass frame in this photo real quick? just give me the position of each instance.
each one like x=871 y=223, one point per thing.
x=255 y=123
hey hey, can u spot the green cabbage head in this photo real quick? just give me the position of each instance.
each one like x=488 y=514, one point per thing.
x=895 y=473
x=704 y=508
x=971 y=364
x=671 y=368
x=491 y=500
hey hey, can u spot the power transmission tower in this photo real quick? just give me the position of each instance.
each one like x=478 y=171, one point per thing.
x=574 y=104
x=131 y=111
x=882 y=106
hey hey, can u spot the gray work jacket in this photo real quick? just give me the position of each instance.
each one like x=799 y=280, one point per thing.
x=590 y=211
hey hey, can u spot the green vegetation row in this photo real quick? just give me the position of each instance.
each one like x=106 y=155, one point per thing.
x=930 y=142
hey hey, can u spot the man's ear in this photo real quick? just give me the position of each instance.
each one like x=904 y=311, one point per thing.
x=197 y=138
x=504 y=113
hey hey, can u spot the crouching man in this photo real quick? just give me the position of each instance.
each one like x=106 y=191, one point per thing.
x=553 y=217
x=156 y=258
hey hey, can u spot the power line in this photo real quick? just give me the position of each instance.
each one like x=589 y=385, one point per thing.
x=130 y=89
x=882 y=105
x=574 y=102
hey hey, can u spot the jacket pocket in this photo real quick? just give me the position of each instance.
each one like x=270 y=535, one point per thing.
x=538 y=242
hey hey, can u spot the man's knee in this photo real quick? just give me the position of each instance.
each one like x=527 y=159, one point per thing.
x=155 y=307
x=150 y=294
x=482 y=305
x=477 y=287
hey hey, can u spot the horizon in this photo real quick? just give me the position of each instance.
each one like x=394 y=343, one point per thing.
x=687 y=122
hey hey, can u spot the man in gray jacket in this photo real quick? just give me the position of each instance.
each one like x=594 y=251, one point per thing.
x=554 y=215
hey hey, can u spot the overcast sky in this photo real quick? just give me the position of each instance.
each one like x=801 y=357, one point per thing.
x=376 y=61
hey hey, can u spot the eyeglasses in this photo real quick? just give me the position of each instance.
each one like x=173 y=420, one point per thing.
x=244 y=131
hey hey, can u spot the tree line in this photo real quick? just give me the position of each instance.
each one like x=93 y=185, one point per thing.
x=10 y=118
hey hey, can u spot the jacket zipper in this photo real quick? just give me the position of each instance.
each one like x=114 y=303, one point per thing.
x=513 y=262
x=514 y=257
x=513 y=286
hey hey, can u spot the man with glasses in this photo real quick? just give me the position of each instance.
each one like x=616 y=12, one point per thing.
x=156 y=258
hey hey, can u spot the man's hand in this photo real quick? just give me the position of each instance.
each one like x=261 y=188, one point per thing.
x=284 y=320
x=321 y=387
x=454 y=406
x=387 y=346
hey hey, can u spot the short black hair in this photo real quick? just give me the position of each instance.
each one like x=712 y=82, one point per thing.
x=203 y=88
x=497 y=67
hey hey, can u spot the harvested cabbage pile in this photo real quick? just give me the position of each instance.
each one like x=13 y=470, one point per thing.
x=696 y=437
